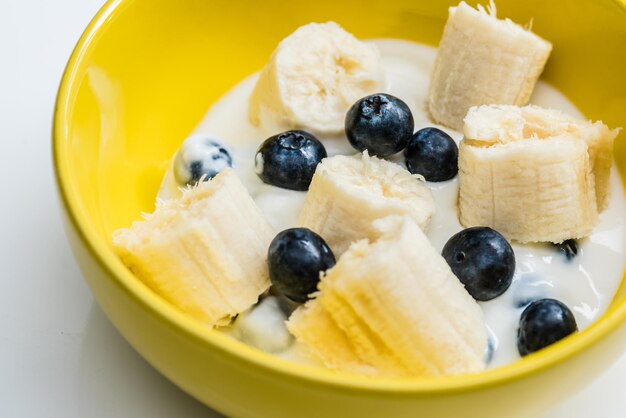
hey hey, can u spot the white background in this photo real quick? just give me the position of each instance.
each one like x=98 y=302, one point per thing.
x=59 y=355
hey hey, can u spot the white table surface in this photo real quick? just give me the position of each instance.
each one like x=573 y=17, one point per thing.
x=59 y=354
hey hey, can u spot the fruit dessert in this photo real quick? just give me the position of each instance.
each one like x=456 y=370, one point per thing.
x=327 y=211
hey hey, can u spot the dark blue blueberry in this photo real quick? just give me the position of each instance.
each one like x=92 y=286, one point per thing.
x=295 y=258
x=200 y=158
x=483 y=261
x=569 y=248
x=542 y=323
x=381 y=124
x=289 y=159
x=432 y=153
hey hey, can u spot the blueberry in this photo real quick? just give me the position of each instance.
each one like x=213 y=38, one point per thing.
x=381 y=124
x=569 y=248
x=200 y=157
x=296 y=257
x=289 y=159
x=432 y=153
x=483 y=261
x=542 y=323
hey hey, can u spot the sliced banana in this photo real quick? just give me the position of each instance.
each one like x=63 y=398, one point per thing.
x=483 y=60
x=348 y=193
x=392 y=307
x=502 y=124
x=204 y=252
x=533 y=174
x=313 y=77
x=316 y=330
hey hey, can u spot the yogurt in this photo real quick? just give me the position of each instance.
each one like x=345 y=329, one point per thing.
x=586 y=283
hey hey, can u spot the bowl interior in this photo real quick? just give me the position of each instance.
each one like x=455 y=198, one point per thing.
x=140 y=82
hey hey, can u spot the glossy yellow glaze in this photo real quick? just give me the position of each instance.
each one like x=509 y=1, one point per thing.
x=142 y=76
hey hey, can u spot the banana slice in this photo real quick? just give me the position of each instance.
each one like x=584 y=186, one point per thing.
x=533 y=174
x=348 y=193
x=502 y=124
x=205 y=252
x=313 y=77
x=393 y=307
x=483 y=60
x=314 y=327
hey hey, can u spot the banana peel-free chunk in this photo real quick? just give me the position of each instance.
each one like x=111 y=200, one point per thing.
x=348 y=193
x=312 y=78
x=205 y=252
x=483 y=60
x=393 y=308
x=533 y=174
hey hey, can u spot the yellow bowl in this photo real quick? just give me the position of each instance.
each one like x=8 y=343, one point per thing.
x=139 y=80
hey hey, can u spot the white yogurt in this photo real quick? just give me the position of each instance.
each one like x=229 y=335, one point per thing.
x=263 y=326
x=585 y=284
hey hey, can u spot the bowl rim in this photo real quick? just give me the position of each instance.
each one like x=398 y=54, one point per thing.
x=292 y=371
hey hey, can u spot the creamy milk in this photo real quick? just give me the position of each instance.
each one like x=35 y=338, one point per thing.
x=586 y=284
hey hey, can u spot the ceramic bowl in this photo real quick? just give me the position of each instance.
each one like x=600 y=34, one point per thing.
x=142 y=76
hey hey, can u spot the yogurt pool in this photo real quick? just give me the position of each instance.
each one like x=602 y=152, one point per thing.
x=585 y=282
